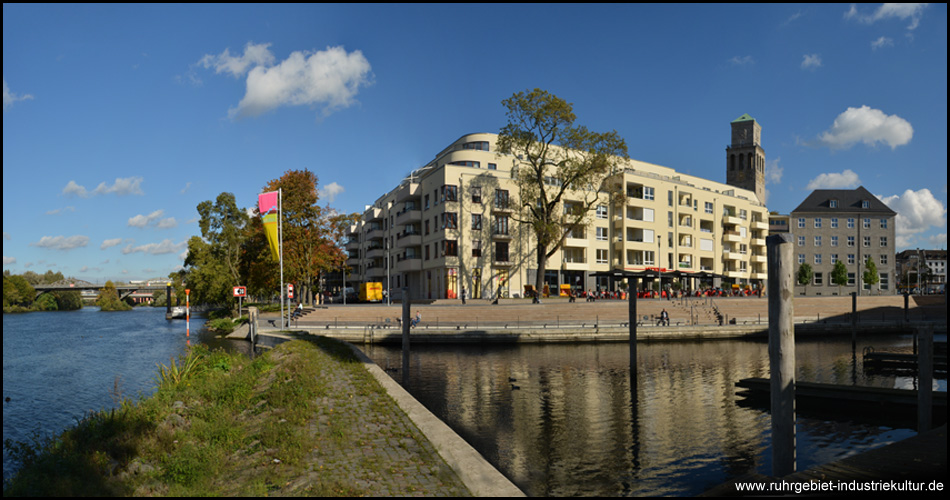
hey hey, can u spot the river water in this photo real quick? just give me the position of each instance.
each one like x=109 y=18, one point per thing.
x=558 y=420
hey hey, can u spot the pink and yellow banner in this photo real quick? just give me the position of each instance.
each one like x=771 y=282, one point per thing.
x=267 y=202
x=270 y=228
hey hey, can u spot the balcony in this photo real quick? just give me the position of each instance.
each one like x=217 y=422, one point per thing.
x=728 y=218
x=727 y=255
x=373 y=214
x=409 y=264
x=408 y=216
x=731 y=237
x=759 y=225
x=407 y=191
x=404 y=240
x=375 y=234
x=376 y=253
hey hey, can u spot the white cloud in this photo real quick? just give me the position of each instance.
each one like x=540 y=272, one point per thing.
x=330 y=191
x=121 y=187
x=254 y=55
x=902 y=11
x=741 y=61
x=187 y=185
x=773 y=172
x=168 y=223
x=145 y=220
x=62 y=242
x=811 y=61
x=166 y=246
x=329 y=79
x=869 y=126
x=9 y=260
x=9 y=97
x=110 y=243
x=61 y=210
x=845 y=180
x=917 y=212
x=882 y=42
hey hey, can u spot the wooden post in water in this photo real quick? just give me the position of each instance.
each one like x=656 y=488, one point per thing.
x=925 y=377
x=854 y=320
x=405 y=337
x=632 y=313
x=168 y=300
x=781 y=288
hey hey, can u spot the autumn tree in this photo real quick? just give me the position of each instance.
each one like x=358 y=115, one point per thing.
x=561 y=169
x=309 y=235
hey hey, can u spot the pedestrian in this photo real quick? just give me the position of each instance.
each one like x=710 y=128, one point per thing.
x=664 y=318
x=464 y=293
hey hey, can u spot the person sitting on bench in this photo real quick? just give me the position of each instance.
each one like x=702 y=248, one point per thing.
x=415 y=321
x=664 y=318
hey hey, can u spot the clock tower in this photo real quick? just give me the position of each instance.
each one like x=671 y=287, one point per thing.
x=745 y=158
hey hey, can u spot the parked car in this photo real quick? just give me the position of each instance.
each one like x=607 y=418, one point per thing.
x=351 y=296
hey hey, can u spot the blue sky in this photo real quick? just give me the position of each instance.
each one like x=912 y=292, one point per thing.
x=119 y=120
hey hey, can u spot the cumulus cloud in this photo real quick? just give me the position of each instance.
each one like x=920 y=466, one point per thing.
x=882 y=42
x=773 y=171
x=845 y=180
x=917 y=212
x=902 y=11
x=166 y=246
x=9 y=97
x=254 y=55
x=62 y=242
x=741 y=61
x=110 y=243
x=60 y=210
x=811 y=61
x=328 y=79
x=330 y=191
x=9 y=260
x=869 y=126
x=121 y=187
x=153 y=219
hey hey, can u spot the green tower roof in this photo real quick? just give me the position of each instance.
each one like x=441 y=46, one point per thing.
x=743 y=118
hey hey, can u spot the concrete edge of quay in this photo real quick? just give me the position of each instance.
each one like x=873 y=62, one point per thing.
x=480 y=477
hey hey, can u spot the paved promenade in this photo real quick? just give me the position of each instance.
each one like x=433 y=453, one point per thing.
x=448 y=313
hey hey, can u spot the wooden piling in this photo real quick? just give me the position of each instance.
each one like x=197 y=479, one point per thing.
x=405 y=337
x=781 y=288
x=925 y=376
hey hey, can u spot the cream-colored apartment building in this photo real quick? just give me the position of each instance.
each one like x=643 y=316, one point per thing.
x=451 y=224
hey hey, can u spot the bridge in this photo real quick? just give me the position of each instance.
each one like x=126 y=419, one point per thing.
x=123 y=289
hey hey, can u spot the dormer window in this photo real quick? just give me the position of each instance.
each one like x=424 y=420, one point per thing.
x=833 y=204
x=865 y=204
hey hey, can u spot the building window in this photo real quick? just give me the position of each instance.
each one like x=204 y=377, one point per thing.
x=602 y=256
x=449 y=193
x=883 y=259
x=801 y=241
x=867 y=223
x=801 y=258
x=817 y=222
x=885 y=282
x=476 y=194
x=466 y=164
x=477 y=146
x=601 y=211
x=834 y=258
x=817 y=259
x=501 y=199
x=669 y=198
x=450 y=248
x=817 y=241
x=865 y=204
x=743 y=214
x=850 y=259
x=501 y=251
x=476 y=248
x=476 y=222
x=492 y=166
x=867 y=242
x=850 y=279
x=819 y=279
x=834 y=223
x=647 y=193
x=427 y=202
x=850 y=241
x=883 y=241
x=426 y=224
x=801 y=222
x=709 y=207
x=602 y=234
x=427 y=252
x=850 y=222
x=834 y=241
x=501 y=225
x=883 y=223
x=833 y=204
x=450 y=220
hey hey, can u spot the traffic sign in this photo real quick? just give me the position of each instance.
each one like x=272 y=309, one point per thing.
x=290 y=290
x=240 y=291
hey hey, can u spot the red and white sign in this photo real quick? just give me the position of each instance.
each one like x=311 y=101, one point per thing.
x=290 y=290
x=240 y=291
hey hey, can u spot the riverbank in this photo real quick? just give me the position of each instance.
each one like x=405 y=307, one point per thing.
x=302 y=419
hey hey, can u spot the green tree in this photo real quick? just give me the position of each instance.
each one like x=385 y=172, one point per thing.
x=45 y=302
x=68 y=300
x=871 y=277
x=222 y=226
x=205 y=275
x=557 y=161
x=839 y=275
x=108 y=299
x=17 y=291
x=805 y=275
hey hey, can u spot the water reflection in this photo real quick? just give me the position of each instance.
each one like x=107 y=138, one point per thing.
x=559 y=420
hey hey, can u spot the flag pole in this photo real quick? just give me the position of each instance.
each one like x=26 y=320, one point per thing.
x=280 y=250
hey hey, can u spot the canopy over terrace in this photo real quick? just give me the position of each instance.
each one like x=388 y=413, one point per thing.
x=618 y=275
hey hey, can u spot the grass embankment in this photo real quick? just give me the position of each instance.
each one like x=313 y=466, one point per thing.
x=218 y=424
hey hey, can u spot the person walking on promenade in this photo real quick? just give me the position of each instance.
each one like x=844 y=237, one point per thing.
x=464 y=293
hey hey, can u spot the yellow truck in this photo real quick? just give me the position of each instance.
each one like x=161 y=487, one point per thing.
x=371 y=292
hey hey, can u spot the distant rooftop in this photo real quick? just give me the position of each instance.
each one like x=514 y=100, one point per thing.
x=744 y=118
